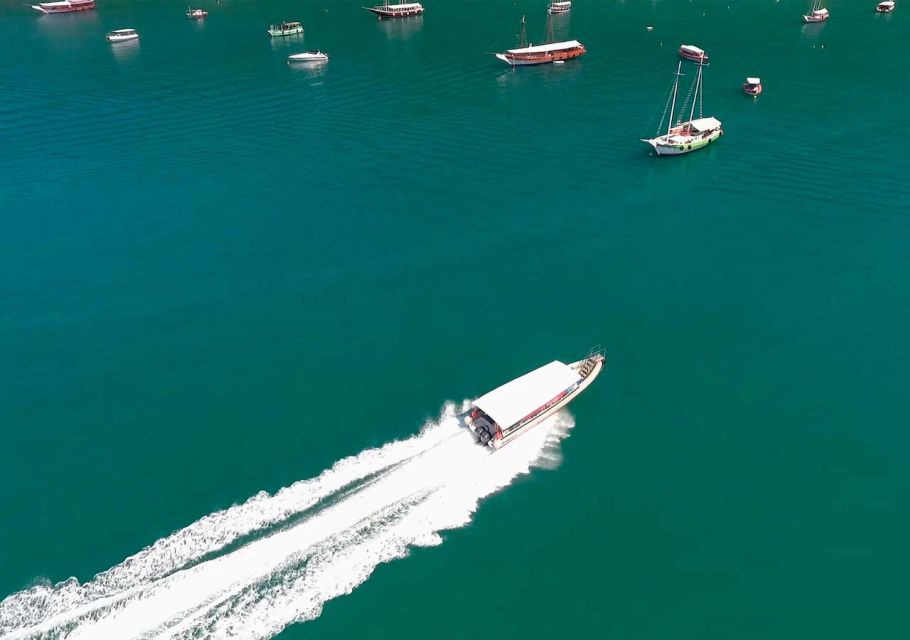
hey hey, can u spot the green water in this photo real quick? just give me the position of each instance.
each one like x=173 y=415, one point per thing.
x=220 y=275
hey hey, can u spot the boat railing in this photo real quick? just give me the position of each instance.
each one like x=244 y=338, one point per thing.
x=595 y=354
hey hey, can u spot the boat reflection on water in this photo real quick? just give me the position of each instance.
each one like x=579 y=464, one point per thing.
x=126 y=50
x=401 y=29
x=287 y=42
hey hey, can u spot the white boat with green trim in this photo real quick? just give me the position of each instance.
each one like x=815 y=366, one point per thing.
x=285 y=29
x=694 y=133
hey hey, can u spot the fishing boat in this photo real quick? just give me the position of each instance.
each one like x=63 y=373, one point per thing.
x=694 y=133
x=403 y=10
x=505 y=413
x=885 y=7
x=540 y=54
x=691 y=52
x=752 y=86
x=285 y=29
x=67 y=6
x=308 y=56
x=818 y=13
x=122 y=35
x=556 y=8
x=196 y=14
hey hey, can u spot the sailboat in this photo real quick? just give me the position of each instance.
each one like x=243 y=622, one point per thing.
x=818 y=13
x=540 y=54
x=694 y=133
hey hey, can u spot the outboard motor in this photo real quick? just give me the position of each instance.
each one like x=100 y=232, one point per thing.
x=483 y=436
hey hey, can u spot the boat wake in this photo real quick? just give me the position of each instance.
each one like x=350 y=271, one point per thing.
x=251 y=570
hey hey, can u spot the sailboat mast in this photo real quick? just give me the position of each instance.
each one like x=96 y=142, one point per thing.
x=523 y=34
x=697 y=89
x=675 y=92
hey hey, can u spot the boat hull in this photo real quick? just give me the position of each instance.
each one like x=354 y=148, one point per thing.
x=543 y=58
x=287 y=32
x=662 y=147
x=751 y=91
x=116 y=39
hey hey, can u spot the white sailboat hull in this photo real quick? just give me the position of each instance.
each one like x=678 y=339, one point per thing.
x=677 y=146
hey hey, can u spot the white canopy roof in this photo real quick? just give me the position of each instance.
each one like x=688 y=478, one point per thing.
x=693 y=49
x=753 y=80
x=516 y=399
x=705 y=124
x=545 y=48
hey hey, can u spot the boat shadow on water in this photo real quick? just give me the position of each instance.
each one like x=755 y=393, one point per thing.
x=126 y=50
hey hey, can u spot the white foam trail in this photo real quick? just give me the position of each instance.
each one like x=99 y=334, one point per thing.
x=416 y=488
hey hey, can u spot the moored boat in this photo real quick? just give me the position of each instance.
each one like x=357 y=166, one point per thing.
x=556 y=8
x=526 y=55
x=818 y=13
x=500 y=416
x=691 y=52
x=122 y=35
x=285 y=29
x=885 y=7
x=66 y=6
x=401 y=10
x=308 y=56
x=694 y=133
x=752 y=86
x=196 y=14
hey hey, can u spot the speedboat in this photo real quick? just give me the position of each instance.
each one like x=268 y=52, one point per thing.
x=122 y=35
x=885 y=7
x=752 y=86
x=691 y=52
x=498 y=417
x=196 y=14
x=285 y=29
x=308 y=56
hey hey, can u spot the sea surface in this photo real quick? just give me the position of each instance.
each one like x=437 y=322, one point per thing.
x=221 y=276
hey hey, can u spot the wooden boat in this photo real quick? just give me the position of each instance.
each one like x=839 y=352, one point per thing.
x=694 y=133
x=285 y=29
x=526 y=55
x=505 y=413
x=403 y=10
x=752 y=86
x=885 y=7
x=67 y=6
x=122 y=35
x=196 y=14
x=308 y=56
x=817 y=14
x=557 y=8
x=691 y=52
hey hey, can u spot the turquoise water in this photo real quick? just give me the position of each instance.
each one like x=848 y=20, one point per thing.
x=221 y=275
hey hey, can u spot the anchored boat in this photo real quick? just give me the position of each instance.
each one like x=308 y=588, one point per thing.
x=541 y=54
x=402 y=10
x=694 y=133
x=122 y=35
x=556 y=8
x=498 y=417
x=885 y=7
x=691 y=52
x=752 y=86
x=196 y=14
x=67 y=6
x=285 y=29
x=818 y=13
x=308 y=56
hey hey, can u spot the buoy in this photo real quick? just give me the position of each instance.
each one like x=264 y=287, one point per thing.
x=649 y=28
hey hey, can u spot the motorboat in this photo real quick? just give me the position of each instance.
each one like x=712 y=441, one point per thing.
x=285 y=29
x=196 y=14
x=503 y=414
x=526 y=55
x=122 y=35
x=67 y=6
x=885 y=7
x=691 y=52
x=752 y=86
x=308 y=56
x=556 y=8
x=401 y=10
x=817 y=14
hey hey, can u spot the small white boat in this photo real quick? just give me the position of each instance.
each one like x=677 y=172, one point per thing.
x=752 y=86
x=885 y=7
x=498 y=417
x=196 y=14
x=691 y=52
x=308 y=56
x=285 y=29
x=122 y=35
x=818 y=13
x=559 y=7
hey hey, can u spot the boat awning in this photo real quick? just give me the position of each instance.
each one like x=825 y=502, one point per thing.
x=691 y=48
x=522 y=396
x=545 y=48
x=753 y=80
x=705 y=124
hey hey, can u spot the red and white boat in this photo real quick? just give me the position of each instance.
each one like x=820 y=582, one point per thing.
x=403 y=10
x=525 y=55
x=557 y=8
x=752 y=86
x=196 y=14
x=66 y=6
x=818 y=13
x=691 y=52
x=885 y=7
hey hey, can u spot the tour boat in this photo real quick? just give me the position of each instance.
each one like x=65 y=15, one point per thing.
x=559 y=7
x=122 y=35
x=402 y=10
x=498 y=417
x=885 y=7
x=67 y=6
x=196 y=14
x=540 y=54
x=691 y=52
x=308 y=56
x=752 y=86
x=285 y=29
x=694 y=133
x=818 y=13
